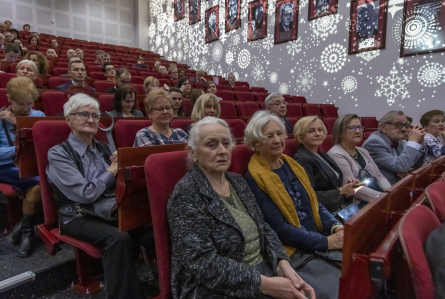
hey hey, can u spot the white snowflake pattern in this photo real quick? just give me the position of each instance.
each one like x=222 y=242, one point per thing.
x=152 y=30
x=431 y=74
x=305 y=81
x=197 y=42
x=268 y=42
x=245 y=32
x=244 y=58
x=166 y=49
x=325 y=26
x=186 y=47
x=217 y=52
x=229 y=57
x=294 y=46
x=258 y=72
x=161 y=52
x=172 y=41
x=158 y=41
x=271 y=4
x=421 y=28
x=175 y=54
x=179 y=55
x=303 y=3
x=244 y=9
x=368 y=55
x=236 y=75
x=236 y=39
x=273 y=77
x=349 y=84
x=283 y=89
x=333 y=58
x=393 y=86
x=162 y=22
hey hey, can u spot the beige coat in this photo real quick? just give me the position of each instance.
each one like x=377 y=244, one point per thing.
x=350 y=169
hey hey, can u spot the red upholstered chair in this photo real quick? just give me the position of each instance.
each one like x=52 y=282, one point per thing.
x=56 y=81
x=165 y=76
x=3 y=98
x=261 y=97
x=125 y=131
x=60 y=71
x=327 y=144
x=162 y=173
x=186 y=106
x=292 y=121
x=132 y=72
x=258 y=89
x=198 y=85
x=146 y=74
x=106 y=102
x=94 y=68
x=139 y=88
x=225 y=95
x=53 y=102
x=13 y=67
x=370 y=123
x=224 y=82
x=137 y=80
x=311 y=109
x=241 y=155
x=242 y=83
x=366 y=135
x=102 y=86
x=243 y=96
x=98 y=76
x=181 y=123
x=297 y=99
x=62 y=64
x=291 y=147
x=47 y=134
x=237 y=126
x=163 y=81
x=247 y=108
x=328 y=110
x=222 y=87
x=294 y=110
x=414 y=229
x=241 y=88
x=329 y=123
x=4 y=79
x=436 y=197
x=228 y=109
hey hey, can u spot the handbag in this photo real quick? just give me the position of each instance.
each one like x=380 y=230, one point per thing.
x=363 y=175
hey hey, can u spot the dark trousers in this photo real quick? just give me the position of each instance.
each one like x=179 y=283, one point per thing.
x=120 y=275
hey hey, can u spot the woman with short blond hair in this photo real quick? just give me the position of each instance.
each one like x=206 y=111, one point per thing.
x=150 y=84
x=206 y=105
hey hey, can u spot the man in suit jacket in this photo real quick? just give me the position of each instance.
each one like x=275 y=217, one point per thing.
x=276 y=103
x=77 y=73
x=436 y=259
x=387 y=147
x=199 y=77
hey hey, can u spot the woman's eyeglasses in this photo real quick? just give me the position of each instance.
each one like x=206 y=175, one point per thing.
x=161 y=109
x=86 y=116
x=354 y=128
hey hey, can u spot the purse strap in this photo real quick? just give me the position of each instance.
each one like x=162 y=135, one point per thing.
x=7 y=133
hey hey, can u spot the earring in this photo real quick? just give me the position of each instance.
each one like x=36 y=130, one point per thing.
x=194 y=160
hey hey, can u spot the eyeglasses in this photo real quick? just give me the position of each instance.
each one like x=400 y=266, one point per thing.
x=86 y=116
x=354 y=128
x=400 y=125
x=161 y=109
x=278 y=103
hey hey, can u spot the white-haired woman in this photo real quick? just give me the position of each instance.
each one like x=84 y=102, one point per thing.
x=206 y=105
x=27 y=68
x=51 y=53
x=162 y=70
x=82 y=172
x=289 y=204
x=221 y=246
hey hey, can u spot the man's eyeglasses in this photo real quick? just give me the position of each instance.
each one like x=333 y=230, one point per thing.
x=354 y=128
x=278 y=103
x=161 y=109
x=400 y=125
x=86 y=116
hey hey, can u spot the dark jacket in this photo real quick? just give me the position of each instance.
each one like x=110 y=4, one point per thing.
x=288 y=125
x=323 y=179
x=136 y=113
x=68 y=84
x=208 y=244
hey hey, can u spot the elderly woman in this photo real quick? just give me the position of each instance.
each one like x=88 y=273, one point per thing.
x=185 y=85
x=221 y=246
x=177 y=101
x=33 y=41
x=21 y=93
x=159 y=106
x=162 y=70
x=51 y=53
x=434 y=140
x=210 y=87
x=39 y=60
x=324 y=174
x=206 y=105
x=82 y=172
x=356 y=162
x=27 y=68
x=290 y=206
x=124 y=103
x=150 y=84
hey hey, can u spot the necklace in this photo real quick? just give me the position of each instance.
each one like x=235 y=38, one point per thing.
x=353 y=156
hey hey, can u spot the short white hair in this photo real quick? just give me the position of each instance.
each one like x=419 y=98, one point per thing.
x=253 y=135
x=78 y=101
x=52 y=50
x=34 y=67
x=1 y=35
x=163 y=67
x=270 y=97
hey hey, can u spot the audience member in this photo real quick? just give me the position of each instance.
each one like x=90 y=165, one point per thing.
x=2 y=28
x=79 y=52
x=124 y=103
x=12 y=52
x=206 y=105
x=221 y=246
x=76 y=188
x=70 y=53
x=105 y=58
x=172 y=66
x=27 y=68
x=434 y=141
x=176 y=95
x=150 y=83
x=162 y=70
x=181 y=73
x=109 y=72
x=2 y=41
x=141 y=62
x=276 y=103
x=232 y=79
x=73 y=58
x=194 y=95
x=159 y=107
x=324 y=174
x=77 y=73
x=173 y=73
x=199 y=77
x=210 y=87
x=15 y=33
x=26 y=27
x=21 y=94
x=387 y=147
x=356 y=162
x=123 y=78
x=34 y=41
x=157 y=64
x=409 y=120
x=39 y=60
x=51 y=53
x=23 y=49
x=185 y=86
x=8 y=37
x=35 y=34
x=54 y=44
x=99 y=54
x=8 y=25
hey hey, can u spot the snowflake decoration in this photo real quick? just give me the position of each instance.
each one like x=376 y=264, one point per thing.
x=393 y=86
x=166 y=49
x=349 y=84
x=158 y=41
x=268 y=42
x=333 y=58
x=175 y=54
x=273 y=77
x=172 y=41
x=155 y=9
x=243 y=58
x=186 y=47
x=197 y=42
x=162 y=22
x=348 y=24
x=368 y=55
x=271 y=10
x=236 y=40
x=325 y=26
x=431 y=74
x=283 y=89
x=179 y=55
x=305 y=81
x=179 y=44
x=203 y=63
x=244 y=9
x=258 y=72
x=161 y=52
x=217 y=52
x=170 y=27
x=223 y=37
x=396 y=29
x=229 y=57
x=303 y=3
x=152 y=30
x=271 y=21
x=421 y=27
x=294 y=46
x=245 y=32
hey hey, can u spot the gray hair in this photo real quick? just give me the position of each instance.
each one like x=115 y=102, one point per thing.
x=78 y=101
x=340 y=125
x=1 y=35
x=253 y=135
x=200 y=71
x=269 y=98
x=34 y=67
x=389 y=116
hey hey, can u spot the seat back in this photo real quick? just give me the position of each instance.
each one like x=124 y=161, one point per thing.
x=102 y=86
x=98 y=76
x=328 y=110
x=294 y=110
x=291 y=147
x=414 y=228
x=106 y=102
x=222 y=87
x=311 y=109
x=261 y=97
x=329 y=123
x=244 y=96
x=247 y=108
x=237 y=126
x=5 y=77
x=370 y=123
x=181 y=123
x=241 y=88
x=258 y=89
x=228 y=109
x=56 y=81
x=328 y=142
x=3 y=98
x=137 y=80
x=242 y=83
x=241 y=155
x=162 y=172
x=125 y=131
x=297 y=99
x=436 y=197
x=53 y=102
x=225 y=95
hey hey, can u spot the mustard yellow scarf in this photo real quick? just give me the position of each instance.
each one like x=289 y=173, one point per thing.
x=271 y=183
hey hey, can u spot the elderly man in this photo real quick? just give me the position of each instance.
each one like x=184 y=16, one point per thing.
x=199 y=77
x=2 y=41
x=286 y=20
x=123 y=78
x=105 y=58
x=8 y=37
x=387 y=145
x=77 y=73
x=232 y=80
x=276 y=103
x=70 y=53
x=173 y=73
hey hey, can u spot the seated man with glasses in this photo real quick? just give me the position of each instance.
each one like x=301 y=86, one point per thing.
x=388 y=148
x=159 y=106
x=109 y=72
x=141 y=62
x=276 y=103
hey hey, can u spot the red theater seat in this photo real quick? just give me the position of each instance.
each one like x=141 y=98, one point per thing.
x=125 y=131
x=370 y=123
x=247 y=108
x=258 y=89
x=327 y=144
x=181 y=123
x=228 y=109
x=3 y=98
x=242 y=83
x=225 y=95
x=60 y=71
x=294 y=110
x=311 y=109
x=137 y=80
x=328 y=110
x=436 y=197
x=53 y=102
x=139 y=88
x=4 y=79
x=222 y=87
x=237 y=126
x=297 y=99
x=186 y=106
x=241 y=88
x=244 y=96
x=102 y=86
x=56 y=81
x=98 y=76
x=106 y=102
x=329 y=123
x=148 y=74
x=261 y=97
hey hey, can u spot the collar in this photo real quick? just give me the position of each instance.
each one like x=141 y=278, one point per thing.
x=74 y=83
x=394 y=145
x=79 y=146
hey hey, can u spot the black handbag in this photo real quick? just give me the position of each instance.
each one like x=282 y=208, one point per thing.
x=363 y=175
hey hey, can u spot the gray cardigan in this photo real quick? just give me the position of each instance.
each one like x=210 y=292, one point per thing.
x=136 y=113
x=208 y=244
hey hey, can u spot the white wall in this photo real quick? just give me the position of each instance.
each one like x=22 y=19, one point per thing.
x=141 y=23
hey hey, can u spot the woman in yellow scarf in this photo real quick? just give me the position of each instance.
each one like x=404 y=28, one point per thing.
x=311 y=235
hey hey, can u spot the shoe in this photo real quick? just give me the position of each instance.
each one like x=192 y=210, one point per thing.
x=26 y=244
x=16 y=235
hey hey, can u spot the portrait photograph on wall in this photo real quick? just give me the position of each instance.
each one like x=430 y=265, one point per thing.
x=194 y=11
x=179 y=10
x=286 y=14
x=257 y=20
x=321 y=8
x=233 y=14
x=212 y=24
x=423 y=29
x=367 y=30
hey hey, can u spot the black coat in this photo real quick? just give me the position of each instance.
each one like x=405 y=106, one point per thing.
x=323 y=179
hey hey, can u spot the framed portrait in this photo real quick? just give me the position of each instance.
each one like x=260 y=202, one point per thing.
x=179 y=10
x=367 y=30
x=423 y=29
x=257 y=27
x=194 y=11
x=212 y=24
x=321 y=8
x=286 y=16
x=233 y=15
